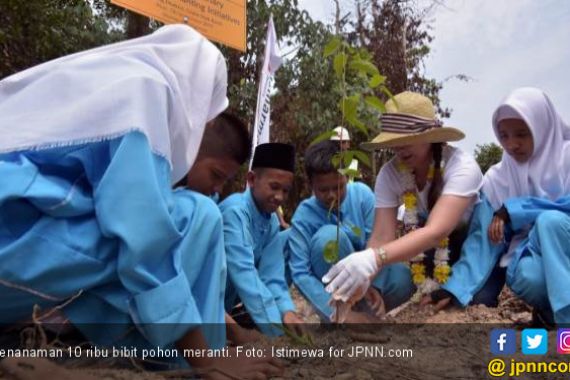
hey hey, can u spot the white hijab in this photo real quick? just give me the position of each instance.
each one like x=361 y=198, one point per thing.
x=166 y=85
x=547 y=173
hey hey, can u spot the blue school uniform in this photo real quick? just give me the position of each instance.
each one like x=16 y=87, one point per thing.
x=478 y=260
x=313 y=225
x=256 y=266
x=99 y=223
x=540 y=267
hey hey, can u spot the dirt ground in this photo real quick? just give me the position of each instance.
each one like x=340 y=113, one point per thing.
x=510 y=310
x=450 y=344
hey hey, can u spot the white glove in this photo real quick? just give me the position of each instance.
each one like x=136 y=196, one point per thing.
x=350 y=278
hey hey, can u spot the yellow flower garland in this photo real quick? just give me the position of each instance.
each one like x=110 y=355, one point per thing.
x=409 y=198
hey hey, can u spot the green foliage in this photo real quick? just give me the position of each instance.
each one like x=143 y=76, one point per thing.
x=358 y=82
x=323 y=137
x=488 y=155
x=376 y=103
x=332 y=47
x=358 y=79
x=306 y=340
x=331 y=251
x=307 y=88
x=350 y=173
x=362 y=157
x=35 y=31
x=339 y=64
x=304 y=84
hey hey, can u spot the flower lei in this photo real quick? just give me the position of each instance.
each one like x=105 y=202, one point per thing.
x=442 y=270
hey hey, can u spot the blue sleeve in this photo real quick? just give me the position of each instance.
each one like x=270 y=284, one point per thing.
x=300 y=264
x=523 y=211
x=368 y=209
x=478 y=256
x=134 y=204
x=254 y=294
x=271 y=269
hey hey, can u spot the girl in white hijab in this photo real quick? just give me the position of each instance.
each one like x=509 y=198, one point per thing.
x=546 y=172
x=527 y=203
x=532 y=190
x=91 y=145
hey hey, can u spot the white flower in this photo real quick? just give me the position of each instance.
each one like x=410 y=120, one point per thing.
x=411 y=222
x=441 y=254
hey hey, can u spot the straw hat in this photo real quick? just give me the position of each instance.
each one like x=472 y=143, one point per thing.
x=409 y=120
x=340 y=132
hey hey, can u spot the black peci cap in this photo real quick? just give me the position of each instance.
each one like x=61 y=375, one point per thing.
x=274 y=155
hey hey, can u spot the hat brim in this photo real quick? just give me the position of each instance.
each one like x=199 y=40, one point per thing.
x=392 y=140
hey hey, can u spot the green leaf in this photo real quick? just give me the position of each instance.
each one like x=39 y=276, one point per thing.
x=357 y=231
x=349 y=106
x=349 y=172
x=332 y=46
x=322 y=137
x=339 y=64
x=335 y=160
x=375 y=103
x=389 y=94
x=347 y=158
x=363 y=66
x=330 y=253
x=352 y=120
x=305 y=340
x=362 y=157
x=376 y=80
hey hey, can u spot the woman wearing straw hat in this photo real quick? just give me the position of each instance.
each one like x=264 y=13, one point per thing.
x=437 y=183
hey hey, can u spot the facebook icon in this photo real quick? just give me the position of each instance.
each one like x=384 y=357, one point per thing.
x=503 y=341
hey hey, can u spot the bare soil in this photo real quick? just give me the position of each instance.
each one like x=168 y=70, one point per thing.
x=449 y=344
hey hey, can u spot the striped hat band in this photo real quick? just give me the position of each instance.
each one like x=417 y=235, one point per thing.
x=407 y=124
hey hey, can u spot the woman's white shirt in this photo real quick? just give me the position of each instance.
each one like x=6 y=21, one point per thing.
x=461 y=177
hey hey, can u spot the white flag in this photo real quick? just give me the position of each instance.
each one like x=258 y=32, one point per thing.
x=271 y=62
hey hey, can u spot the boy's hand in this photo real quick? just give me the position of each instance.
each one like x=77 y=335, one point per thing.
x=497 y=226
x=375 y=301
x=440 y=297
x=340 y=311
x=294 y=323
x=496 y=230
x=240 y=335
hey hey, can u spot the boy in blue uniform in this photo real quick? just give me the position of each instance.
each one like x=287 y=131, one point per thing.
x=254 y=245
x=314 y=224
x=89 y=223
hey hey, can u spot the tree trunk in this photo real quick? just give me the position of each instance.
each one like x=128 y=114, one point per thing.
x=137 y=25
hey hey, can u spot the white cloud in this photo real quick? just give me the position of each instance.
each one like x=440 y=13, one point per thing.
x=502 y=45
x=322 y=10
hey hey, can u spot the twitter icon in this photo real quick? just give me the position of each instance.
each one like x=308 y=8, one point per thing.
x=534 y=341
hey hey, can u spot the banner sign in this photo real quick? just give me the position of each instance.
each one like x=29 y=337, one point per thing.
x=223 y=21
x=271 y=62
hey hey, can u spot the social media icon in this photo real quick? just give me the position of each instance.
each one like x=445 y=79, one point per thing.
x=563 y=344
x=503 y=341
x=534 y=341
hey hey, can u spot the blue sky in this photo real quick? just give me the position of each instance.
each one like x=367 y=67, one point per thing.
x=502 y=45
